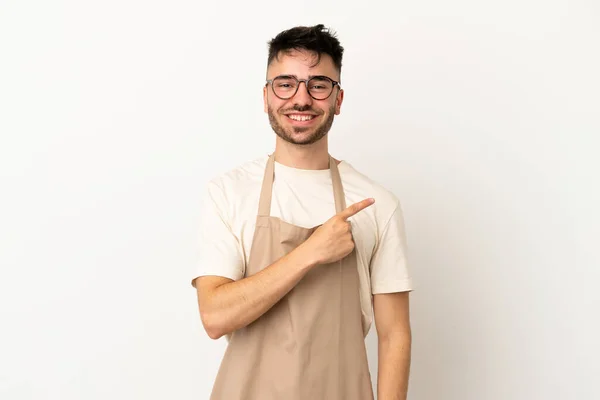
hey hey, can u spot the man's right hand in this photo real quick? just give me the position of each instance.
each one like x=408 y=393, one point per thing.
x=333 y=241
x=227 y=305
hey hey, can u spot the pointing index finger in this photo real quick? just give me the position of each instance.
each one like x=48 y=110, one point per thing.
x=356 y=208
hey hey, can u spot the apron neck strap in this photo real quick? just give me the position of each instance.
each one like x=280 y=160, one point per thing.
x=338 y=188
x=266 y=192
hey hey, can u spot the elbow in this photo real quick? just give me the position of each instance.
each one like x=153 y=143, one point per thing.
x=213 y=334
x=397 y=338
x=212 y=326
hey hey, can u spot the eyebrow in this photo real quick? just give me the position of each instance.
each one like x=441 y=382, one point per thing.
x=309 y=77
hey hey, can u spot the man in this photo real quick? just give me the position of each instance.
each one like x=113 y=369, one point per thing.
x=291 y=275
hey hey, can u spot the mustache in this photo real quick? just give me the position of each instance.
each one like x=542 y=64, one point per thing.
x=300 y=109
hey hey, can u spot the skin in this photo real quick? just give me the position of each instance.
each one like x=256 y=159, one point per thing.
x=227 y=305
x=300 y=145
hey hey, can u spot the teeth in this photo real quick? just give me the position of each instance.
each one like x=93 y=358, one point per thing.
x=301 y=117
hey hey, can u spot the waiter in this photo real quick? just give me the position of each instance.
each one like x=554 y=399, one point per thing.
x=301 y=253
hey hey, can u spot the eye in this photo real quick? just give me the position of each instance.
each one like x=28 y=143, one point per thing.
x=284 y=83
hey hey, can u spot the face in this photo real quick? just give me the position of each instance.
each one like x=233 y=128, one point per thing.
x=301 y=119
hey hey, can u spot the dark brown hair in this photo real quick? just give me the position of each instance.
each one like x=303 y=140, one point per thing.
x=313 y=38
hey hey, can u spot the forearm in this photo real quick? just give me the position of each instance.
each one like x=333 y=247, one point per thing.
x=394 y=366
x=235 y=305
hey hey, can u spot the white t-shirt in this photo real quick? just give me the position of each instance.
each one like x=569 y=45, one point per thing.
x=304 y=198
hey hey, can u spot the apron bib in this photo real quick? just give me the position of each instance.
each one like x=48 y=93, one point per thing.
x=310 y=345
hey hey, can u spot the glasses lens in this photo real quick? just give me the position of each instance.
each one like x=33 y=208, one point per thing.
x=285 y=87
x=320 y=88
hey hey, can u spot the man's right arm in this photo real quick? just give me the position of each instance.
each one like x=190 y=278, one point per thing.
x=226 y=305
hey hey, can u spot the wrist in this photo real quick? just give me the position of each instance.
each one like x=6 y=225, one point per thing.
x=305 y=257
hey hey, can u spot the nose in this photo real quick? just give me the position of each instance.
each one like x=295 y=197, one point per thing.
x=302 y=97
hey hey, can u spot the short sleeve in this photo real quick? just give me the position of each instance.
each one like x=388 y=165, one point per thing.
x=219 y=250
x=389 y=265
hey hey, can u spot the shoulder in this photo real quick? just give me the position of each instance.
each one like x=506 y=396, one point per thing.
x=363 y=186
x=231 y=183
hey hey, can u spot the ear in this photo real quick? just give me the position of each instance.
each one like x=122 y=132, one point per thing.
x=338 y=101
x=266 y=103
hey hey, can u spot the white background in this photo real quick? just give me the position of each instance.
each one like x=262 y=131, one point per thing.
x=481 y=116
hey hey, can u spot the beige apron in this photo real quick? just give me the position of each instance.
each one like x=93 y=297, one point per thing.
x=310 y=345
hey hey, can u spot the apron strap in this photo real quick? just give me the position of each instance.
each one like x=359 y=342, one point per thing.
x=338 y=189
x=266 y=192
x=264 y=205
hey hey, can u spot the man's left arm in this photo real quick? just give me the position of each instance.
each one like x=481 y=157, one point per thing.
x=392 y=321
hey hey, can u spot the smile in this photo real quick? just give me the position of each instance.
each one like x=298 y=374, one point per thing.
x=301 y=117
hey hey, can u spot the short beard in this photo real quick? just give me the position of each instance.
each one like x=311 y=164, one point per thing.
x=318 y=134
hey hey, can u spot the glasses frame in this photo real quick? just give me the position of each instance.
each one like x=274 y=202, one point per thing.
x=334 y=84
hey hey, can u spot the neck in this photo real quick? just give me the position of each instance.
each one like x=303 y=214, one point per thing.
x=312 y=156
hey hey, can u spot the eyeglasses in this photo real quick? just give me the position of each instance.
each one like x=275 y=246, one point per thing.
x=286 y=86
